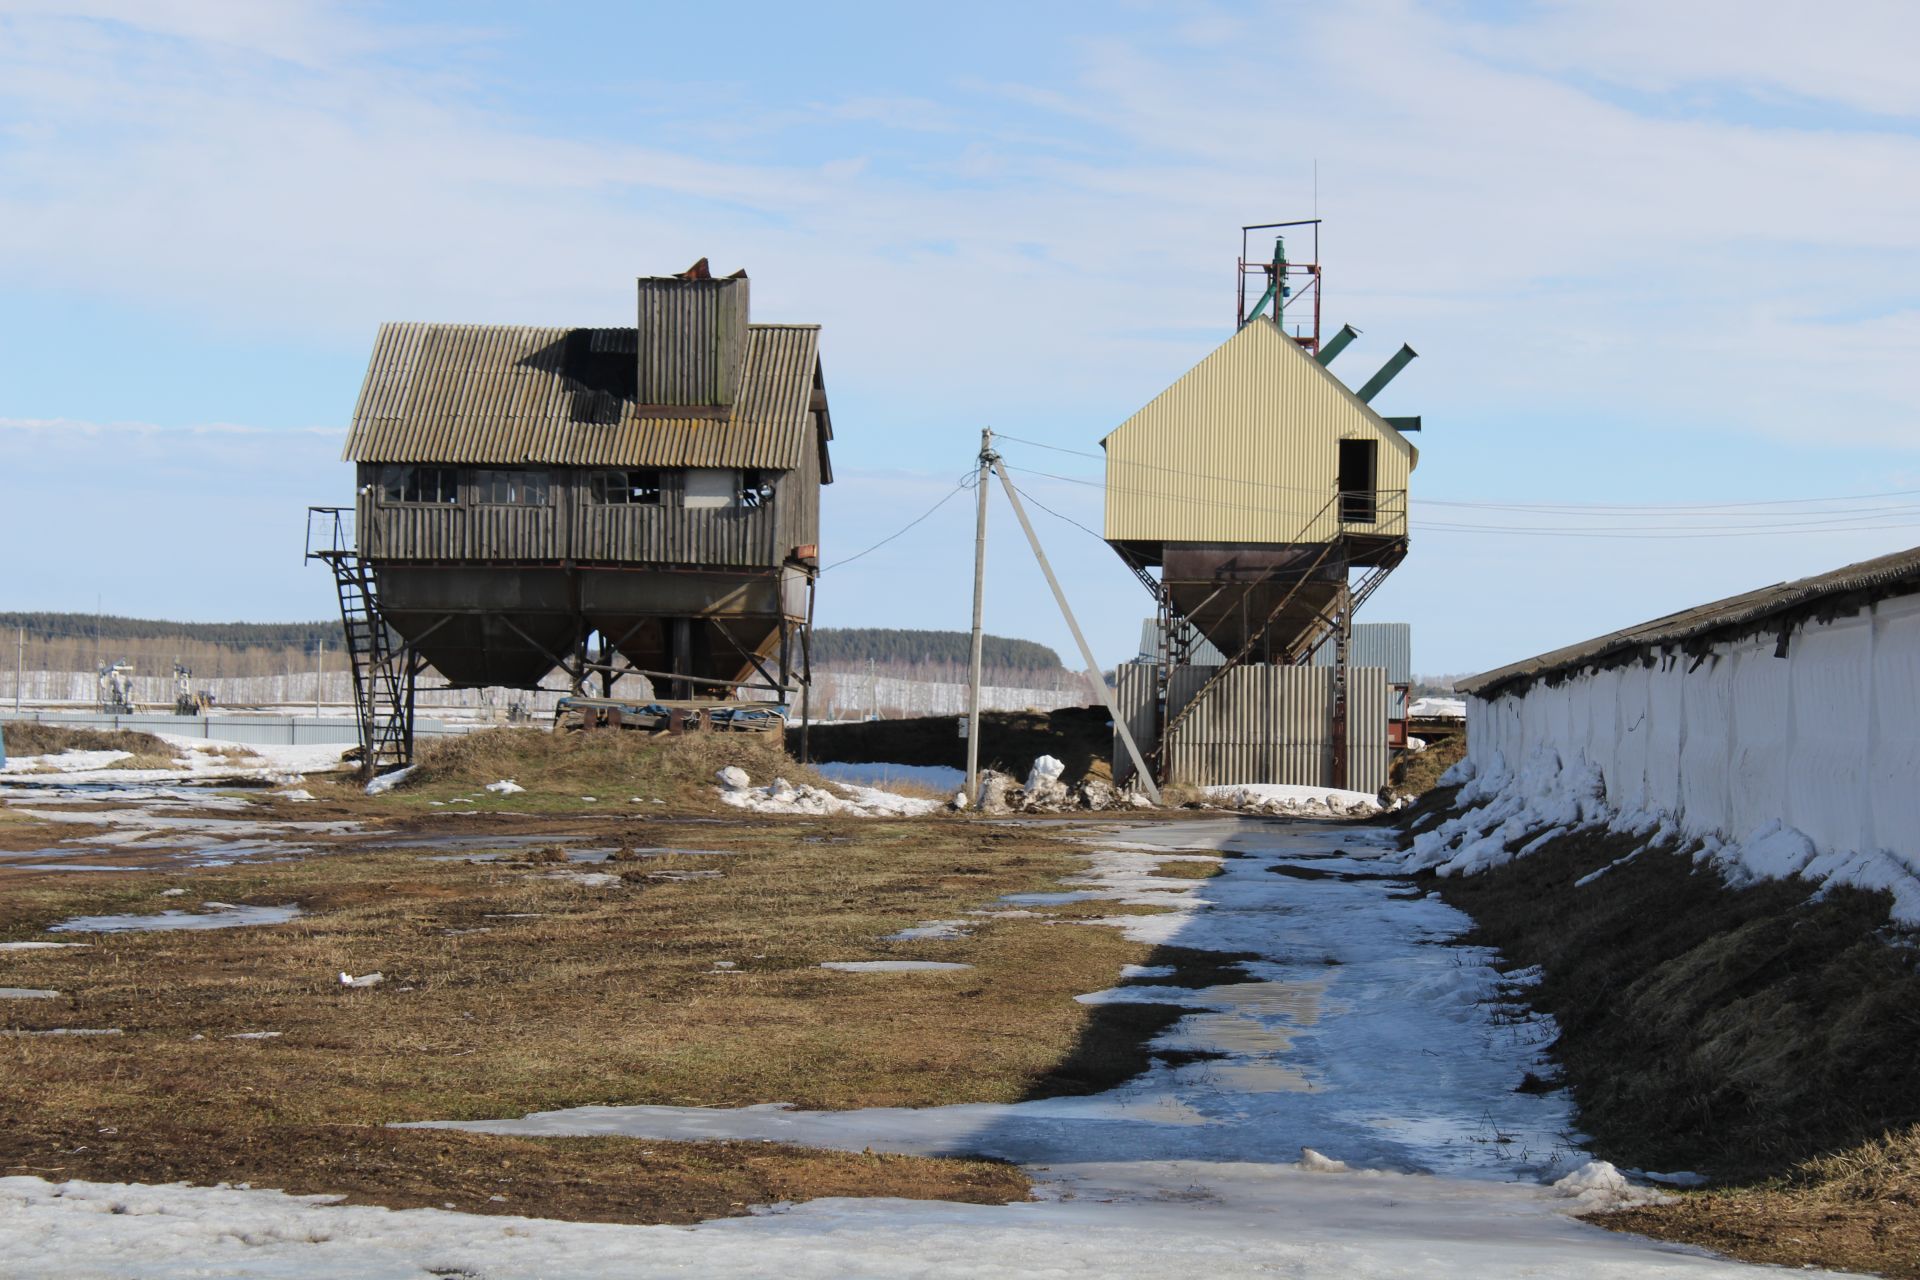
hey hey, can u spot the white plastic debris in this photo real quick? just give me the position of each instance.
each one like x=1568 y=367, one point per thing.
x=364 y=980
x=1045 y=769
x=1313 y=1162
x=505 y=787
x=734 y=778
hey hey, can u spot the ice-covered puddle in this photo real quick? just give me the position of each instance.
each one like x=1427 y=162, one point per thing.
x=222 y=916
x=1355 y=1032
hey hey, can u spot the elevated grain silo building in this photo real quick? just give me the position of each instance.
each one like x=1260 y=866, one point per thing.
x=524 y=489
x=1262 y=500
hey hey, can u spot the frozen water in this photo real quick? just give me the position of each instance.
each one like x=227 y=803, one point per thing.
x=940 y=777
x=228 y=918
x=1188 y=1169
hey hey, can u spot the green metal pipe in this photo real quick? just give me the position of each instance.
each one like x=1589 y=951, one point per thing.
x=1337 y=343
x=1388 y=371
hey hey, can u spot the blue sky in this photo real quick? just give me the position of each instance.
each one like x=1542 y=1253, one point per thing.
x=1650 y=258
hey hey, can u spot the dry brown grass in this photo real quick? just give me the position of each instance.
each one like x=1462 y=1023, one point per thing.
x=511 y=987
x=1415 y=773
x=615 y=768
x=1189 y=868
x=1858 y=1209
x=32 y=738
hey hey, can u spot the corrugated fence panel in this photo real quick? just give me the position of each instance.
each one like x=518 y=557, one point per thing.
x=1367 y=754
x=1272 y=724
x=1134 y=696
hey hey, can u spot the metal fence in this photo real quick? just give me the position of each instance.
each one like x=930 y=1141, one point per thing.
x=1262 y=723
x=256 y=731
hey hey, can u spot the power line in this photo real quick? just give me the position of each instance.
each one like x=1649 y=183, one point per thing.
x=945 y=499
x=1570 y=508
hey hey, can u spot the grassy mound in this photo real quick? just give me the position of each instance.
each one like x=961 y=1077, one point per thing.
x=610 y=766
x=1416 y=772
x=32 y=738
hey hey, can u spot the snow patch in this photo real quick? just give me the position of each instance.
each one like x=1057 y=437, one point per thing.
x=388 y=781
x=1597 y=1187
x=1292 y=800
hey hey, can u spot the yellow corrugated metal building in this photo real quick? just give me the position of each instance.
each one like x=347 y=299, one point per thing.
x=1246 y=448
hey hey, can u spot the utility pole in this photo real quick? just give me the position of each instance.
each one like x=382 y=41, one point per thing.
x=319 y=660
x=987 y=458
x=1086 y=651
x=19 y=669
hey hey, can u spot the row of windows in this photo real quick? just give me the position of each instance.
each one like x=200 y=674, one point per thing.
x=631 y=487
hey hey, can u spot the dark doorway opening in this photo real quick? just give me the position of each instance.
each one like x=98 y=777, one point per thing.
x=1358 y=497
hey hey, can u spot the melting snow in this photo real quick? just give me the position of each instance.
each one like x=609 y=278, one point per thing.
x=226 y=918
x=1351 y=1040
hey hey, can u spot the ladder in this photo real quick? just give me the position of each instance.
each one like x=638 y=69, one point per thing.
x=383 y=669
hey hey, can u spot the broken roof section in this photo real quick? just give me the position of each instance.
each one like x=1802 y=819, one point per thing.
x=693 y=384
x=513 y=395
x=1777 y=608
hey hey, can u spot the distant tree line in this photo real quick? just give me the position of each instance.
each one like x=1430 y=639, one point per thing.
x=897 y=646
x=229 y=635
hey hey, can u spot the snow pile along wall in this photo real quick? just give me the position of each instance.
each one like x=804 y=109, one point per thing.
x=1795 y=764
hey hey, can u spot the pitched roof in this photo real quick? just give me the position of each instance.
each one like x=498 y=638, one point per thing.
x=1833 y=594
x=514 y=394
x=1294 y=357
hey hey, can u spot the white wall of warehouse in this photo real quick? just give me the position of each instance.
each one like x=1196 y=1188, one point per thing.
x=1825 y=740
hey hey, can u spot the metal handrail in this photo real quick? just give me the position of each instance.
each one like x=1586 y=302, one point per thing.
x=336 y=532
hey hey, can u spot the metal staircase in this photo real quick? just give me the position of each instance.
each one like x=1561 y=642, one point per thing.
x=383 y=669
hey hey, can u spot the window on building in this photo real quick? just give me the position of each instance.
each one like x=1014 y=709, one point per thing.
x=626 y=488
x=511 y=488
x=420 y=484
x=756 y=488
x=1359 y=502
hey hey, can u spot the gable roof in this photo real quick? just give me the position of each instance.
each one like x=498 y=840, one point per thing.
x=1262 y=339
x=515 y=394
x=1836 y=593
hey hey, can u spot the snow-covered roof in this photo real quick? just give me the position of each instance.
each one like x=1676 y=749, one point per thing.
x=1782 y=606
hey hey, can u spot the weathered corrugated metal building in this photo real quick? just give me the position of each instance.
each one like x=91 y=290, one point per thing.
x=1262 y=501
x=522 y=489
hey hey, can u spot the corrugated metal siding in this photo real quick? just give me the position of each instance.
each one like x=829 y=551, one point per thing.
x=514 y=395
x=1367 y=751
x=1388 y=645
x=1245 y=448
x=690 y=340
x=1262 y=724
x=515 y=533
x=1133 y=695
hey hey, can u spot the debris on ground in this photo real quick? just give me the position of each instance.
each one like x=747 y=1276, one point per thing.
x=781 y=796
x=1292 y=801
x=364 y=980
x=505 y=787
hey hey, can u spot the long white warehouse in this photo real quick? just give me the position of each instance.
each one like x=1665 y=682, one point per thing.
x=1781 y=726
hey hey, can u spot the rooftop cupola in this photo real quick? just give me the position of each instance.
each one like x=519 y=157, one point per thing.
x=692 y=342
